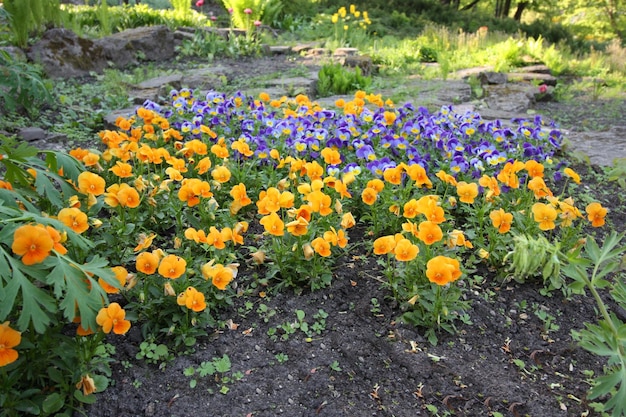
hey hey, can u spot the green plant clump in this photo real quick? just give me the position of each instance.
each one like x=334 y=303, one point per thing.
x=336 y=79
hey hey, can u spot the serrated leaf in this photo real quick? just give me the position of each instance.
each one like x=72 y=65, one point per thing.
x=45 y=188
x=604 y=384
x=223 y=365
x=36 y=303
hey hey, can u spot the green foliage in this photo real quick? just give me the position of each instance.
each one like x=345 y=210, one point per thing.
x=42 y=298
x=182 y=8
x=336 y=79
x=591 y=269
x=244 y=13
x=27 y=16
x=21 y=85
x=217 y=368
x=87 y=19
x=153 y=353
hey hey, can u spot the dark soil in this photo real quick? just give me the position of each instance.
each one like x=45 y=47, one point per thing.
x=364 y=362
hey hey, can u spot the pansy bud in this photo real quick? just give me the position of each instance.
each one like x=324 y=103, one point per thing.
x=258 y=257
x=283 y=184
x=338 y=207
x=233 y=267
x=308 y=251
x=169 y=290
x=131 y=281
x=483 y=254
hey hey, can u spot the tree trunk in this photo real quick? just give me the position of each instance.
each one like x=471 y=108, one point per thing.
x=506 y=8
x=521 y=6
x=471 y=5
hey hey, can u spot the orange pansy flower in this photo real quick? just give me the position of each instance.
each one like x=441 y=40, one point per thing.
x=534 y=169
x=122 y=169
x=405 y=250
x=429 y=232
x=33 y=243
x=572 y=174
x=393 y=175
x=298 y=227
x=596 y=214
x=172 y=266
x=544 y=214
x=273 y=224
x=90 y=183
x=320 y=203
x=120 y=274
x=501 y=220
x=9 y=338
x=127 y=196
x=384 y=245
x=113 y=318
x=467 y=192
x=331 y=156
x=321 y=247
x=192 y=299
x=221 y=174
x=418 y=174
x=147 y=262
x=442 y=270
x=369 y=196
x=74 y=219
x=220 y=275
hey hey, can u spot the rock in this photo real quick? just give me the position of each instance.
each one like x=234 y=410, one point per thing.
x=513 y=98
x=280 y=50
x=539 y=69
x=468 y=72
x=294 y=86
x=208 y=78
x=65 y=55
x=147 y=43
x=594 y=144
x=342 y=52
x=546 y=79
x=14 y=52
x=363 y=62
x=491 y=77
x=31 y=134
x=318 y=52
x=302 y=48
x=173 y=80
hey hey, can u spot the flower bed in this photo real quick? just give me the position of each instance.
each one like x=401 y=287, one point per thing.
x=183 y=195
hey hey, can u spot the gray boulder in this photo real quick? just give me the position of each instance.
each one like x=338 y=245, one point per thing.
x=63 y=54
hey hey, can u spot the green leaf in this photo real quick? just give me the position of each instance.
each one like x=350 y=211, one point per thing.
x=101 y=382
x=223 y=365
x=85 y=399
x=53 y=403
x=36 y=303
